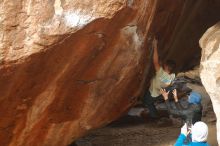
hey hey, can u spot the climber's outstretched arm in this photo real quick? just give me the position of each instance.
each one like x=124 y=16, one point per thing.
x=155 y=56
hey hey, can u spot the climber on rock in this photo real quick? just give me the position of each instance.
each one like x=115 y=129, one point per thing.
x=163 y=78
x=193 y=108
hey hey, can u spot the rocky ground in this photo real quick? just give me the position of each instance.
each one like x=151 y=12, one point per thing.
x=141 y=131
x=134 y=131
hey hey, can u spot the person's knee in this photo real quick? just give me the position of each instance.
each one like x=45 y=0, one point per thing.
x=148 y=99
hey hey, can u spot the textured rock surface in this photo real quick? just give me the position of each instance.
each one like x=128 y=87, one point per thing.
x=210 y=68
x=30 y=26
x=70 y=66
x=67 y=67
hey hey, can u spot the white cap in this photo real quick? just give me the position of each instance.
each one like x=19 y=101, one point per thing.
x=199 y=132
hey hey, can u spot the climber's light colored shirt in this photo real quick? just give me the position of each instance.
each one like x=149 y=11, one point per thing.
x=161 y=80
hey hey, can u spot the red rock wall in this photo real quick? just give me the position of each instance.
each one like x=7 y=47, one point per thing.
x=59 y=79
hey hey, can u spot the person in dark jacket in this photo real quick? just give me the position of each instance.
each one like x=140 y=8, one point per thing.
x=191 y=113
x=198 y=133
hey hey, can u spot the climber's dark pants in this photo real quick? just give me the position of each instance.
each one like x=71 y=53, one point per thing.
x=149 y=101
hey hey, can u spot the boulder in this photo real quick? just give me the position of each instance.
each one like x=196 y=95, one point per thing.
x=210 y=68
x=67 y=67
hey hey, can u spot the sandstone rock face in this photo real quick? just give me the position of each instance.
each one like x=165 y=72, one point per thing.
x=30 y=26
x=210 y=68
x=67 y=67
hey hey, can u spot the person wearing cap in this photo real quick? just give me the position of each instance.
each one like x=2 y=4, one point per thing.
x=198 y=133
x=193 y=110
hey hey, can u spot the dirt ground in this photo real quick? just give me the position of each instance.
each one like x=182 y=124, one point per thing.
x=136 y=131
x=141 y=131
